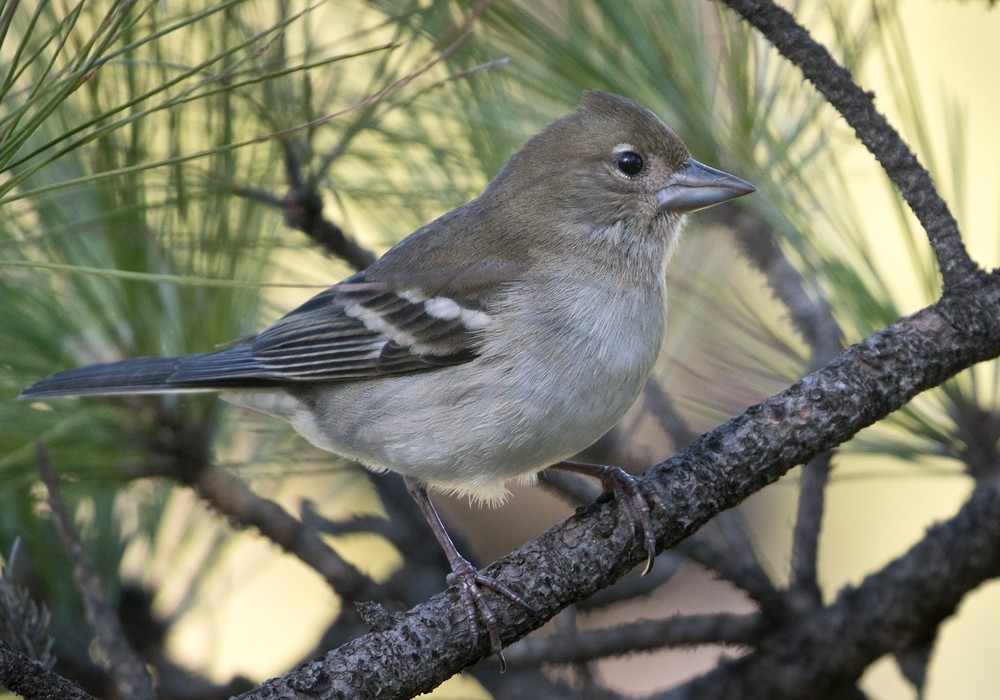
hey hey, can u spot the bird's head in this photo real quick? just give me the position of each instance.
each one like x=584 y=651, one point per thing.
x=612 y=166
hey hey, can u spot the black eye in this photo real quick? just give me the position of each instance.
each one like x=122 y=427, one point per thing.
x=629 y=163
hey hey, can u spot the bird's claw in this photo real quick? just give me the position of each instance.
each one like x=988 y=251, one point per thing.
x=631 y=502
x=470 y=584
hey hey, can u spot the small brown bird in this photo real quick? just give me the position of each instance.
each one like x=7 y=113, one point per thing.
x=496 y=341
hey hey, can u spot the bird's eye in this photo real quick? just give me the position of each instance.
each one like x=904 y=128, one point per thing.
x=629 y=163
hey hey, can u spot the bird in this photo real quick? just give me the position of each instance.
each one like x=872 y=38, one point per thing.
x=500 y=339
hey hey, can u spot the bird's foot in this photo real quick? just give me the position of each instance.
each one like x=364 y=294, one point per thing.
x=631 y=501
x=470 y=585
x=466 y=577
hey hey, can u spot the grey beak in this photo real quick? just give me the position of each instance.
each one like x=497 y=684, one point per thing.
x=697 y=186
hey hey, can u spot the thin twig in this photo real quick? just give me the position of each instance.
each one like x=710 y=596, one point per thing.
x=741 y=568
x=127 y=670
x=183 y=447
x=804 y=578
x=246 y=509
x=302 y=207
x=872 y=129
x=659 y=404
x=810 y=314
x=891 y=610
x=813 y=318
x=645 y=635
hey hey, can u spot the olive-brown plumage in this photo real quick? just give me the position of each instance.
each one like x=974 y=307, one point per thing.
x=501 y=338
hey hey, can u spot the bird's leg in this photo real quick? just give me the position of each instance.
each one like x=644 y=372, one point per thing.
x=631 y=502
x=464 y=575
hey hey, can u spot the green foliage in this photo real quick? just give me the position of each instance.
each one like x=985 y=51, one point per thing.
x=143 y=145
x=740 y=106
x=24 y=624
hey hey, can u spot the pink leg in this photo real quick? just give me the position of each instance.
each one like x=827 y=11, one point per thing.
x=464 y=575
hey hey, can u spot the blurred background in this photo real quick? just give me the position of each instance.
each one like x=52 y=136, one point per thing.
x=155 y=163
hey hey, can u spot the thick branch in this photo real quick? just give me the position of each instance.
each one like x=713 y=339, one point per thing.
x=32 y=680
x=891 y=610
x=591 y=550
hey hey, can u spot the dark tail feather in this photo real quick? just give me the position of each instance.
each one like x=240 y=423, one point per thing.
x=141 y=375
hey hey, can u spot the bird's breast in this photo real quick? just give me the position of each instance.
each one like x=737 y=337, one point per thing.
x=578 y=359
x=554 y=373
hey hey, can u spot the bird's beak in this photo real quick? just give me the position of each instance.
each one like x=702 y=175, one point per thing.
x=697 y=186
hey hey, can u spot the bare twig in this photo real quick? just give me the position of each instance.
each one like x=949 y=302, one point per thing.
x=810 y=314
x=246 y=509
x=303 y=210
x=826 y=652
x=872 y=129
x=660 y=405
x=645 y=635
x=182 y=448
x=804 y=580
x=739 y=567
x=127 y=670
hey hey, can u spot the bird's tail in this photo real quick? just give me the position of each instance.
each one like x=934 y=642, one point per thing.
x=141 y=375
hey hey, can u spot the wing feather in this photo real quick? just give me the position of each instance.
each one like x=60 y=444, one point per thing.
x=350 y=331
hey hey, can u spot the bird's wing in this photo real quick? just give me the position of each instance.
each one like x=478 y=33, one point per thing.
x=355 y=329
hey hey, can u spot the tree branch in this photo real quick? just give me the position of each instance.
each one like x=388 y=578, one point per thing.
x=126 y=669
x=644 y=635
x=245 y=509
x=804 y=580
x=872 y=129
x=825 y=653
x=739 y=567
x=303 y=210
x=591 y=550
x=32 y=680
